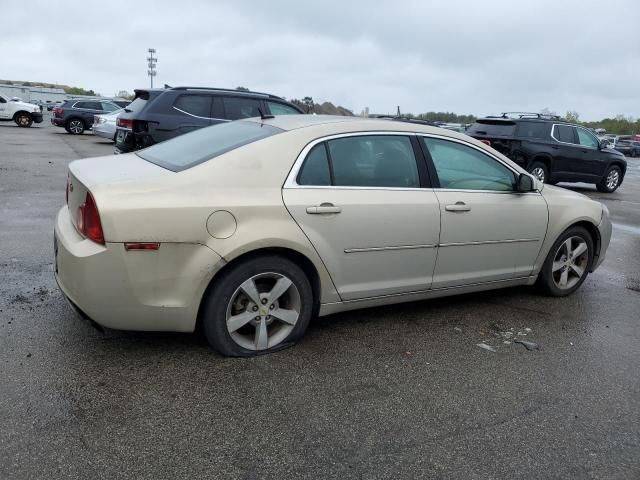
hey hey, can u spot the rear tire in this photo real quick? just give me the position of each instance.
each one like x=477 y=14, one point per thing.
x=75 y=126
x=259 y=306
x=540 y=171
x=611 y=180
x=567 y=264
x=23 y=119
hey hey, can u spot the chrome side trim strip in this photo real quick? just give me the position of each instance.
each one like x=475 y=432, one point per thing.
x=197 y=116
x=378 y=249
x=488 y=242
x=419 y=292
x=454 y=244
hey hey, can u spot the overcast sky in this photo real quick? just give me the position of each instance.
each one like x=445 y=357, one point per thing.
x=480 y=57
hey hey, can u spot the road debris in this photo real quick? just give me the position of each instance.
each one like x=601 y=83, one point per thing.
x=457 y=329
x=528 y=345
x=486 y=347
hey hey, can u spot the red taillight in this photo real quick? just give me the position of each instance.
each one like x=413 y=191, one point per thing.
x=88 y=220
x=124 y=123
x=486 y=142
x=58 y=111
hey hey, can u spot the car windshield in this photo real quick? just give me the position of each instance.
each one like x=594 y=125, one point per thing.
x=193 y=148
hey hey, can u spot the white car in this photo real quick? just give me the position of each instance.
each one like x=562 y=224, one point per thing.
x=105 y=125
x=23 y=113
x=250 y=228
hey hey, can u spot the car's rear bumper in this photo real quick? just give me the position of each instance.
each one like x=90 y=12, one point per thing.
x=37 y=117
x=58 y=122
x=132 y=290
x=104 y=130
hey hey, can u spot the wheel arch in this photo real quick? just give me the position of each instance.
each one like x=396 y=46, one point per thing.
x=541 y=157
x=295 y=256
x=15 y=115
x=621 y=165
x=583 y=222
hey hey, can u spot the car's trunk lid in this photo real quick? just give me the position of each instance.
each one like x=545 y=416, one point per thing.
x=94 y=174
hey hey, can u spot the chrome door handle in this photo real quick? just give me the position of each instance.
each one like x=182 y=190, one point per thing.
x=323 y=208
x=458 y=207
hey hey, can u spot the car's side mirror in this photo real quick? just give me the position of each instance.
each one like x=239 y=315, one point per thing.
x=524 y=183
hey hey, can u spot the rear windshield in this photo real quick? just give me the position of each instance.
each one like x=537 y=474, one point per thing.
x=139 y=102
x=492 y=128
x=196 y=147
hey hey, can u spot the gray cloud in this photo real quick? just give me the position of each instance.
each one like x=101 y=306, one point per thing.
x=468 y=57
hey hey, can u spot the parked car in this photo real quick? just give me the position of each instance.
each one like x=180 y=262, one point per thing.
x=553 y=150
x=105 y=125
x=76 y=116
x=122 y=103
x=158 y=115
x=52 y=105
x=249 y=228
x=629 y=148
x=23 y=113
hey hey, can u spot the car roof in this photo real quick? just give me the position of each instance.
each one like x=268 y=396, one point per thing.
x=293 y=122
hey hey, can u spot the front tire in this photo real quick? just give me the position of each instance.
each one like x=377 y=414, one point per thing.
x=567 y=264
x=75 y=126
x=261 y=305
x=23 y=120
x=540 y=171
x=611 y=180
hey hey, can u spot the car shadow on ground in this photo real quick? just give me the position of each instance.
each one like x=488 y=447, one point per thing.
x=433 y=317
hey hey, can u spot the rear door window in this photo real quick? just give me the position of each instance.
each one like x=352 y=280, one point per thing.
x=565 y=133
x=236 y=107
x=316 y=170
x=534 y=130
x=373 y=161
x=195 y=105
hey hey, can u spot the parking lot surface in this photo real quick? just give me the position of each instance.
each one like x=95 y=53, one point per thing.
x=395 y=392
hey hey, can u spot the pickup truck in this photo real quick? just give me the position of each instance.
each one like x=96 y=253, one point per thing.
x=15 y=110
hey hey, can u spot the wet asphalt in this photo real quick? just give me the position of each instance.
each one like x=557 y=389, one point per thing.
x=394 y=392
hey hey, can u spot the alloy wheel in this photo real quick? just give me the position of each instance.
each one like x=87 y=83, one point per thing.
x=263 y=311
x=613 y=179
x=75 y=126
x=570 y=262
x=538 y=172
x=23 y=121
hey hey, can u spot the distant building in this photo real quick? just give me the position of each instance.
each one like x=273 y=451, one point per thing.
x=42 y=94
x=32 y=93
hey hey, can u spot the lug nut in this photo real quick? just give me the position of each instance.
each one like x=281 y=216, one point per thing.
x=268 y=317
x=255 y=308
x=257 y=318
x=271 y=307
x=264 y=301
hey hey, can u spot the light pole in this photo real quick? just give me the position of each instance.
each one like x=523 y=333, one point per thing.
x=152 y=65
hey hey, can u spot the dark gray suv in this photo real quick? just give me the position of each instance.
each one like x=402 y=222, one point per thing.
x=76 y=116
x=156 y=115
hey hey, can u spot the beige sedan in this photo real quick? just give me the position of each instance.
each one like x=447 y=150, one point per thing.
x=251 y=228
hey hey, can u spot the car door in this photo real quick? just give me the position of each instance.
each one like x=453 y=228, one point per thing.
x=4 y=111
x=369 y=213
x=568 y=157
x=592 y=165
x=489 y=232
x=194 y=112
